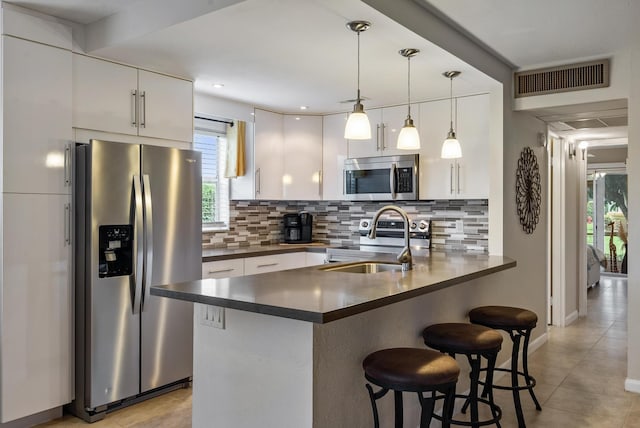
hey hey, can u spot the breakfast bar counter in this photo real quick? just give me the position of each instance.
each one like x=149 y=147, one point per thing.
x=290 y=348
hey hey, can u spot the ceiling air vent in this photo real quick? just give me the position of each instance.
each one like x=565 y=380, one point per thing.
x=565 y=78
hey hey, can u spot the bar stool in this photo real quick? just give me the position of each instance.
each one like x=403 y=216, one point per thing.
x=518 y=323
x=476 y=342
x=412 y=370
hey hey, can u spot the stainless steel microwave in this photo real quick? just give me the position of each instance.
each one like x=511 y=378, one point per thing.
x=383 y=178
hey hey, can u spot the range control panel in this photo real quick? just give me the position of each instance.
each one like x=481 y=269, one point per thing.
x=421 y=228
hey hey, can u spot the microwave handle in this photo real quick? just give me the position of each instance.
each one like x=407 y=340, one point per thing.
x=392 y=180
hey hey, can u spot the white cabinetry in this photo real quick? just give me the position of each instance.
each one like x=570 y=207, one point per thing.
x=37 y=117
x=464 y=178
x=386 y=124
x=116 y=98
x=36 y=304
x=334 y=152
x=276 y=262
x=302 y=179
x=314 y=259
x=36 y=348
x=268 y=154
x=288 y=156
x=223 y=269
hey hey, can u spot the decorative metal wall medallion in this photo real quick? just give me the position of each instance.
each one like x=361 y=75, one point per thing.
x=528 y=190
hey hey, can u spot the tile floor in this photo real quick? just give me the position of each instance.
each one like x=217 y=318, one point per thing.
x=580 y=373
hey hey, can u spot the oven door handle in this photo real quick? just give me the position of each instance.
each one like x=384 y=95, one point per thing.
x=392 y=180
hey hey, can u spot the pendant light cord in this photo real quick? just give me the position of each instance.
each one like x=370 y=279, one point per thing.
x=358 y=32
x=451 y=103
x=409 y=87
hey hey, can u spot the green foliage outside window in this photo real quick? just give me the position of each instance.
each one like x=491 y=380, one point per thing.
x=208 y=203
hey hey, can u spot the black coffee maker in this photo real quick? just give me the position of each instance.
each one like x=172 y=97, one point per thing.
x=297 y=228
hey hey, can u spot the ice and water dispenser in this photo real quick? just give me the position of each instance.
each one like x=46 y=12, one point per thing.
x=116 y=250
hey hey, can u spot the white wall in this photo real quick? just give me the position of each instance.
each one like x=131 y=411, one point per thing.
x=633 y=177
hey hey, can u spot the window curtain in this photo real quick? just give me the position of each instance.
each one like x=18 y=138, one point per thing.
x=235 y=153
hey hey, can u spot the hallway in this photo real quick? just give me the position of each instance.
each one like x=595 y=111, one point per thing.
x=582 y=368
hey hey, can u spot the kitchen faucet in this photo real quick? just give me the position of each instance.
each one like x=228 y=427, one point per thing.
x=405 y=255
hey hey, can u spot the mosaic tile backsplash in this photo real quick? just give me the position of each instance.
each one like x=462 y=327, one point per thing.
x=456 y=224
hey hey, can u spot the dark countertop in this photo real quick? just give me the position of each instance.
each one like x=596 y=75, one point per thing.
x=310 y=294
x=215 y=254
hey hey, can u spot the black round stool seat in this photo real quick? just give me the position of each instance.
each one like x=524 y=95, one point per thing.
x=475 y=342
x=412 y=370
x=518 y=322
x=503 y=317
x=461 y=338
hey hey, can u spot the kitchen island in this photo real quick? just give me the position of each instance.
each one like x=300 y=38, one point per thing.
x=291 y=349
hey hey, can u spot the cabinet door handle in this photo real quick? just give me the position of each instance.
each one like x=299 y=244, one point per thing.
x=67 y=165
x=143 y=99
x=384 y=140
x=320 y=183
x=378 y=137
x=221 y=271
x=67 y=224
x=268 y=264
x=258 y=181
x=451 y=179
x=458 y=177
x=134 y=108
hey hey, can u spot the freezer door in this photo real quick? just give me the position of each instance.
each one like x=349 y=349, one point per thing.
x=173 y=204
x=112 y=327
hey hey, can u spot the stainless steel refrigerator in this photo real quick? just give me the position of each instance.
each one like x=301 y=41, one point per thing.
x=137 y=224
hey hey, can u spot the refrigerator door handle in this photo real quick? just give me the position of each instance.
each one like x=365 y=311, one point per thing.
x=148 y=244
x=139 y=239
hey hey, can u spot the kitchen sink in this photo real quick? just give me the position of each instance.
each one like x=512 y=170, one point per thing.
x=364 y=267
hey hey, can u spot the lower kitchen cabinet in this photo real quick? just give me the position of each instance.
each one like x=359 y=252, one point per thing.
x=223 y=269
x=314 y=259
x=36 y=339
x=272 y=263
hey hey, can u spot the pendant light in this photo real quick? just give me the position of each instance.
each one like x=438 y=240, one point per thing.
x=358 y=127
x=451 y=147
x=408 y=139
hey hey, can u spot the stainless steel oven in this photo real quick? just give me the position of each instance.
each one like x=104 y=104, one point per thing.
x=383 y=178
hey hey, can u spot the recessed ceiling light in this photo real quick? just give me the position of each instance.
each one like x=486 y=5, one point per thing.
x=218 y=85
x=297 y=118
x=303 y=107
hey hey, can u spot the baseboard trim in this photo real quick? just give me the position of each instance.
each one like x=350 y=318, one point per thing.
x=632 y=385
x=571 y=318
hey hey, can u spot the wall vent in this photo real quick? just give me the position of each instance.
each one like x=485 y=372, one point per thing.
x=565 y=78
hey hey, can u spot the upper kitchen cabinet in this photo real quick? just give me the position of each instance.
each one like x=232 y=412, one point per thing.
x=116 y=98
x=268 y=154
x=303 y=177
x=334 y=152
x=386 y=124
x=36 y=116
x=287 y=156
x=464 y=178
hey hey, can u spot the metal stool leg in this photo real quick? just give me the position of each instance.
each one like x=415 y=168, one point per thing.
x=487 y=391
x=525 y=367
x=374 y=396
x=398 y=402
x=427 y=405
x=514 y=379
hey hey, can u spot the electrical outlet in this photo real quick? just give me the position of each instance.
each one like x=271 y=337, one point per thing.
x=212 y=316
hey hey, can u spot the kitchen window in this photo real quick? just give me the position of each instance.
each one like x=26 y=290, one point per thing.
x=210 y=139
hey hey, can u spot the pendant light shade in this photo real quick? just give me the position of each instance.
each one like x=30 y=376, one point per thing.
x=408 y=139
x=358 y=127
x=451 y=147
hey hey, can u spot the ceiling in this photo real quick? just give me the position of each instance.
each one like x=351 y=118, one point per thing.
x=283 y=54
x=532 y=34
x=278 y=54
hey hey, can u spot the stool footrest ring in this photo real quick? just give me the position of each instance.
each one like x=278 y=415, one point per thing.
x=530 y=380
x=495 y=409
